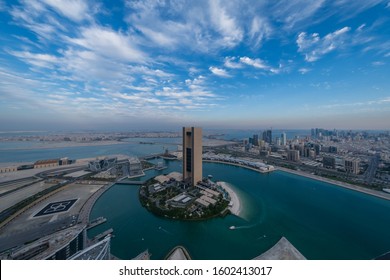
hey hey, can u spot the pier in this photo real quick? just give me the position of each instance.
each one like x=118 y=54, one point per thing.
x=128 y=182
x=101 y=235
x=96 y=222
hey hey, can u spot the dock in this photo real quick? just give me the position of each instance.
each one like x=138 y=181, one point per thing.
x=96 y=222
x=128 y=182
x=101 y=235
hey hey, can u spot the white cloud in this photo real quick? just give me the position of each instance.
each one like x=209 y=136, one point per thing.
x=378 y=63
x=76 y=10
x=257 y=63
x=304 y=70
x=219 y=72
x=158 y=37
x=365 y=103
x=314 y=47
x=226 y=24
x=109 y=43
x=36 y=59
x=230 y=63
x=3 y=7
x=350 y=9
x=260 y=30
x=294 y=13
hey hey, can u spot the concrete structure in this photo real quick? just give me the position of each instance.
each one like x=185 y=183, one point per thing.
x=178 y=253
x=329 y=162
x=192 y=154
x=102 y=164
x=46 y=163
x=293 y=155
x=135 y=167
x=283 y=139
x=267 y=136
x=283 y=250
x=58 y=246
x=351 y=165
x=98 y=251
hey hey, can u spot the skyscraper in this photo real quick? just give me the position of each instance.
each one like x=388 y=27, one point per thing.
x=255 y=140
x=267 y=136
x=284 y=139
x=192 y=154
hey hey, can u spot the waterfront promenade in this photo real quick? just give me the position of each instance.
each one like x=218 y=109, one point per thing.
x=379 y=194
x=337 y=183
x=239 y=165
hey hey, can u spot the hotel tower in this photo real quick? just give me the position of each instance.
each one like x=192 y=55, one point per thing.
x=192 y=154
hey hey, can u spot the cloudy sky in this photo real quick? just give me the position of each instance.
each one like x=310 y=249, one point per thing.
x=164 y=64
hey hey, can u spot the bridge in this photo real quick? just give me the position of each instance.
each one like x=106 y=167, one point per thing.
x=129 y=182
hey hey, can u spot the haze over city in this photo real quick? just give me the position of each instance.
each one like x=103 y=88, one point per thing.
x=217 y=64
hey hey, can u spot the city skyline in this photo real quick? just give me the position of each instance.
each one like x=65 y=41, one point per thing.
x=165 y=64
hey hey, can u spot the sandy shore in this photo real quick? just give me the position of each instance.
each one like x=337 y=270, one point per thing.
x=337 y=183
x=235 y=201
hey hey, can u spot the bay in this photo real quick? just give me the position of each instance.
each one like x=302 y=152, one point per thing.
x=322 y=220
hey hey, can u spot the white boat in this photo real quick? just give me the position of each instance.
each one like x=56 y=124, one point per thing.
x=232 y=227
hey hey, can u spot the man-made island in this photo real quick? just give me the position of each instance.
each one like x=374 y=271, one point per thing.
x=171 y=197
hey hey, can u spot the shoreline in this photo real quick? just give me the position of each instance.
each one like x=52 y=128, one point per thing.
x=239 y=165
x=236 y=208
x=345 y=185
x=59 y=145
x=367 y=191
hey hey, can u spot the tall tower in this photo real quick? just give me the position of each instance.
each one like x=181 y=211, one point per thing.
x=192 y=154
x=284 y=139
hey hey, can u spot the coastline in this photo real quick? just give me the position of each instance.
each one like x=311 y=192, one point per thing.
x=235 y=208
x=375 y=193
x=56 y=145
x=239 y=165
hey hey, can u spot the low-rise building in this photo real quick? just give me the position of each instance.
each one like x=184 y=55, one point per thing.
x=101 y=164
x=46 y=163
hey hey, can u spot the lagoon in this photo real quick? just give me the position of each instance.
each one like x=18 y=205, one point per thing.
x=321 y=220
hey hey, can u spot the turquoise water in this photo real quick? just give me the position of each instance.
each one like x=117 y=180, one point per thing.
x=322 y=220
x=35 y=150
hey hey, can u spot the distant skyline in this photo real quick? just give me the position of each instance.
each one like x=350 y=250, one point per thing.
x=159 y=65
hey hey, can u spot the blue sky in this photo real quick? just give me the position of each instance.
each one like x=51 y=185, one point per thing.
x=217 y=64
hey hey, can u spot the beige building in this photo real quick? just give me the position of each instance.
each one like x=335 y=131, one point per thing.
x=351 y=165
x=192 y=154
x=46 y=163
x=293 y=155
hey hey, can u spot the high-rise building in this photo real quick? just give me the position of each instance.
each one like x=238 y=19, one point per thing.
x=329 y=162
x=284 y=139
x=267 y=136
x=192 y=154
x=351 y=165
x=293 y=155
x=255 y=140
